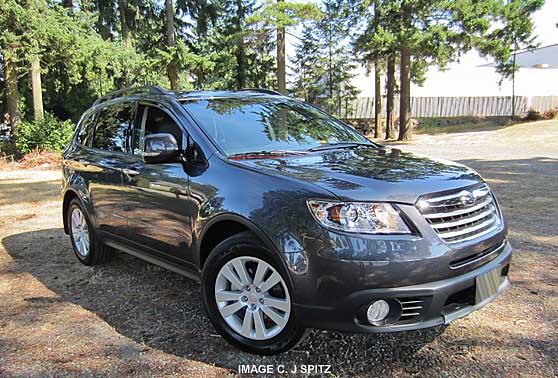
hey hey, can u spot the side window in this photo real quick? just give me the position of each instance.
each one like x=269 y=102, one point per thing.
x=138 y=130
x=154 y=121
x=86 y=129
x=111 y=128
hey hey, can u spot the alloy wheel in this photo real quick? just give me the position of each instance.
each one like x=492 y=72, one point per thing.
x=252 y=298
x=80 y=232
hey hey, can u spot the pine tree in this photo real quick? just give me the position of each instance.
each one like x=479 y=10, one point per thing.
x=337 y=57
x=241 y=54
x=323 y=64
x=279 y=15
x=309 y=73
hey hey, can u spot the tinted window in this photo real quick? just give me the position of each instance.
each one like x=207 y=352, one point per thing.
x=86 y=129
x=111 y=128
x=156 y=121
x=241 y=125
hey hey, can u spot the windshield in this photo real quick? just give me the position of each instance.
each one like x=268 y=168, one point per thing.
x=250 y=125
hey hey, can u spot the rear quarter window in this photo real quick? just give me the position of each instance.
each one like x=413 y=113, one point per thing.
x=85 y=129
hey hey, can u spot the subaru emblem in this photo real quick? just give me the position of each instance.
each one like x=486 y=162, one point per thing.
x=467 y=198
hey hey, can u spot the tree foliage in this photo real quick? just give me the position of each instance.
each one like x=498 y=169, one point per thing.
x=46 y=134
x=324 y=67
x=437 y=32
x=86 y=48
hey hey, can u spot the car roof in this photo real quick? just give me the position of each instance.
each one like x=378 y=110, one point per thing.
x=154 y=92
x=242 y=93
x=226 y=93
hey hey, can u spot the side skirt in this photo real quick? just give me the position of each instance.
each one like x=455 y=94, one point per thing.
x=150 y=259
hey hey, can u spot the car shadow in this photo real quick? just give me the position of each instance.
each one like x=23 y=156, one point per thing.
x=162 y=310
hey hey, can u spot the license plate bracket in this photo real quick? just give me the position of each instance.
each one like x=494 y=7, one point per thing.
x=487 y=285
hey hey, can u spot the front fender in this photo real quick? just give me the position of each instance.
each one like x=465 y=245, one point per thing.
x=221 y=217
x=74 y=185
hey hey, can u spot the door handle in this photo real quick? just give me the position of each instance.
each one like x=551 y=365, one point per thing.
x=130 y=172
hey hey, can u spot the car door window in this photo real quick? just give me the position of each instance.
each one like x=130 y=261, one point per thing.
x=85 y=130
x=153 y=121
x=112 y=126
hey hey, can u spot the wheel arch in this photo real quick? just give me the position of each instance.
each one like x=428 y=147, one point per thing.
x=69 y=195
x=223 y=226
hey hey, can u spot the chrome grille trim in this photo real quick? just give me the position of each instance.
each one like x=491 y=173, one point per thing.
x=468 y=230
x=465 y=220
x=480 y=192
x=458 y=212
x=410 y=308
x=463 y=215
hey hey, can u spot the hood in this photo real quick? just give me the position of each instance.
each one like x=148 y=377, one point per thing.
x=371 y=173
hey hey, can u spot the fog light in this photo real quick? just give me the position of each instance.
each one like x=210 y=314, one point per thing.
x=378 y=310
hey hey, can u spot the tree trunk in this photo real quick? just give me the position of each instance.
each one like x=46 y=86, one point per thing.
x=36 y=88
x=281 y=63
x=241 y=51
x=126 y=40
x=390 y=95
x=377 y=98
x=12 y=92
x=122 y=8
x=172 y=67
x=405 y=96
x=68 y=4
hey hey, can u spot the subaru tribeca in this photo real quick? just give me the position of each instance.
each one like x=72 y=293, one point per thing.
x=289 y=218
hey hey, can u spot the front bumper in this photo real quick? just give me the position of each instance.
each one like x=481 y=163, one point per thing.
x=412 y=307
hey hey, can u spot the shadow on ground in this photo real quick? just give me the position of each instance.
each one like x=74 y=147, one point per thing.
x=12 y=193
x=526 y=191
x=162 y=310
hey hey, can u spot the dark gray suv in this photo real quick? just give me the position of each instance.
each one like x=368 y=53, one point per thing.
x=289 y=218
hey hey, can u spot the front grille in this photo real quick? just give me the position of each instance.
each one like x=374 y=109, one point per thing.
x=461 y=215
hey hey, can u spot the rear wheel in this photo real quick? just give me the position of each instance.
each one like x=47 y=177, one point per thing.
x=88 y=249
x=247 y=298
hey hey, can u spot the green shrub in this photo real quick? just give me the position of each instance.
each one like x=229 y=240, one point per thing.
x=7 y=148
x=533 y=115
x=50 y=134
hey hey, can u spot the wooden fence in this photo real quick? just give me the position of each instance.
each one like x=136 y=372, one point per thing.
x=429 y=107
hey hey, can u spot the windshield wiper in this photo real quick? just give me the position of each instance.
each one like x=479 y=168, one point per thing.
x=331 y=146
x=263 y=153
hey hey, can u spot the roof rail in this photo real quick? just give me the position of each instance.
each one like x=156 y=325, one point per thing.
x=267 y=91
x=149 y=89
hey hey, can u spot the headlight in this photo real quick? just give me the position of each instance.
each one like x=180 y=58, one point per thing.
x=361 y=217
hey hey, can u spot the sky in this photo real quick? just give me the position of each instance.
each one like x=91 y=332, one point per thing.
x=466 y=78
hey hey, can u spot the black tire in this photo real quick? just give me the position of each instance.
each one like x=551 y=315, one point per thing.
x=246 y=244
x=98 y=252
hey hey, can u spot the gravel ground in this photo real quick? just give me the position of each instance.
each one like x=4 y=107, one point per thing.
x=129 y=318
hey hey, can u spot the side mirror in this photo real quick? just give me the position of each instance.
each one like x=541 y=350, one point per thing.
x=160 y=148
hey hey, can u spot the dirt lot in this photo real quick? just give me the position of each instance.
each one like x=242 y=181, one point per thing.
x=59 y=318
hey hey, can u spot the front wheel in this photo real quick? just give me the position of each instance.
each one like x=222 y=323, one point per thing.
x=247 y=298
x=87 y=247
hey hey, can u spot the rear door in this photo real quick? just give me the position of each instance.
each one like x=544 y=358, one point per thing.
x=157 y=195
x=104 y=165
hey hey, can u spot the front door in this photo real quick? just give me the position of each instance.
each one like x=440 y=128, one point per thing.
x=102 y=167
x=157 y=195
